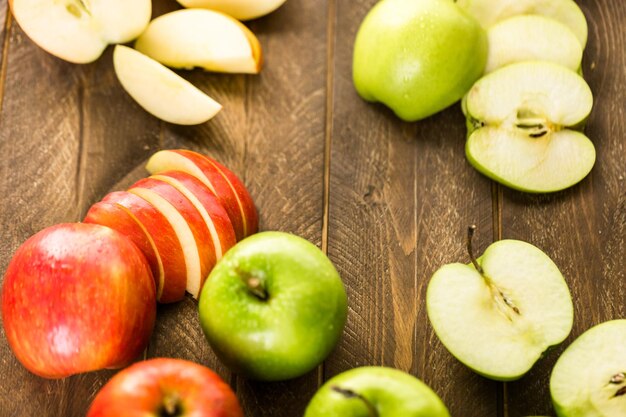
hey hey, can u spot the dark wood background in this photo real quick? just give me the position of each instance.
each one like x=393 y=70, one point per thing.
x=389 y=201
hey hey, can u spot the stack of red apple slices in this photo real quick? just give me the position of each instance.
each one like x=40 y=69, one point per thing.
x=183 y=218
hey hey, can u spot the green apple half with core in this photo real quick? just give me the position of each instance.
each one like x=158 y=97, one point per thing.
x=500 y=313
x=274 y=307
x=374 y=391
x=521 y=116
x=589 y=379
x=417 y=56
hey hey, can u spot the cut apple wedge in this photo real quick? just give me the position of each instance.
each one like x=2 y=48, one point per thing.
x=520 y=116
x=214 y=215
x=532 y=38
x=489 y=12
x=201 y=38
x=160 y=91
x=77 y=30
x=500 y=313
x=225 y=185
x=167 y=244
x=239 y=9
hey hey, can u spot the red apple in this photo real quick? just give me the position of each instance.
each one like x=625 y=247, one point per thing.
x=166 y=387
x=226 y=186
x=76 y=298
x=169 y=249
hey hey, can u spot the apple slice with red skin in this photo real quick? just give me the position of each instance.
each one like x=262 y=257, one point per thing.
x=166 y=242
x=206 y=203
x=166 y=387
x=188 y=224
x=226 y=186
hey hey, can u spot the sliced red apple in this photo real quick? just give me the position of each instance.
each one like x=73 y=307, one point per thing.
x=226 y=186
x=202 y=38
x=206 y=203
x=78 y=30
x=168 y=247
x=160 y=91
x=239 y=9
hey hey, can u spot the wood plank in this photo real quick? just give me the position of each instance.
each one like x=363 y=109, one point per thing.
x=401 y=198
x=583 y=228
x=271 y=133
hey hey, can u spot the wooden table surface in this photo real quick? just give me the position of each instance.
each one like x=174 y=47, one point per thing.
x=388 y=201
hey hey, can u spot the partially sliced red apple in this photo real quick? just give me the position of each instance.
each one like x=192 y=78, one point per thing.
x=168 y=247
x=239 y=9
x=226 y=186
x=160 y=91
x=78 y=30
x=206 y=203
x=202 y=38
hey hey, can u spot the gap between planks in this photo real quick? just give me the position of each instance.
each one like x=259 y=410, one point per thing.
x=5 y=53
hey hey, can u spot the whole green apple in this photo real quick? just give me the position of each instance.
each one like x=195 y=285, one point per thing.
x=375 y=392
x=274 y=307
x=418 y=56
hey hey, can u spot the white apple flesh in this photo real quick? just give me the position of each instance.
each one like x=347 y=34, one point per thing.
x=160 y=91
x=201 y=38
x=520 y=115
x=78 y=31
x=532 y=38
x=239 y=9
x=499 y=321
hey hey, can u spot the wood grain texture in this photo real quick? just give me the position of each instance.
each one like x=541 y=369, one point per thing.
x=584 y=228
x=401 y=198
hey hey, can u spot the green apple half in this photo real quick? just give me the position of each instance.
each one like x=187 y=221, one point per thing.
x=489 y=12
x=417 y=56
x=520 y=115
x=530 y=38
x=500 y=313
x=374 y=391
x=589 y=379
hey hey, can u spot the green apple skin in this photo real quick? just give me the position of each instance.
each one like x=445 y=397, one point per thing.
x=294 y=328
x=417 y=56
x=393 y=393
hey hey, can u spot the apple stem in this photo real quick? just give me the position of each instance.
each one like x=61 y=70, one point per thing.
x=348 y=394
x=470 y=235
x=171 y=406
x=254 y=284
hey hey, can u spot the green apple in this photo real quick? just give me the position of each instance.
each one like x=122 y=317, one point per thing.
x=490 y=12
x=500 y=313
x=274 y=307
x=417 y=56
x=374 y=391
x=521 y=116
x=589 y=379
x=532 y=37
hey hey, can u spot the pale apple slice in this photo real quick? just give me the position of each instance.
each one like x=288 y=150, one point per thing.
x=532 y=38
x=160 y=91
x=521 y=114
x=490 y=12
x=239 y=9
x=499 y=315
x=589 y=379
x=202 y=38
x=226 y=186
x=79 y=30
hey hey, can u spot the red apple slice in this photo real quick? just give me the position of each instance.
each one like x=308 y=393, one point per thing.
x=206 y=203
x=239 y=9
x=226 y=186
x=168 y=247
x=201 y=38
x=187 y=229
x=77 y=30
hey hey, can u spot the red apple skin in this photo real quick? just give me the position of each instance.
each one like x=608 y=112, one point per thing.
x=165 y=240
x=119 y=218
x=143 y=388
x=76 y=298
x=214 y=209
x=192 y=216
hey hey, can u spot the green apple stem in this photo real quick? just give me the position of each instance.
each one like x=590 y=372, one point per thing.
x=255 y=284
x=470 y=235
x=348 y=394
